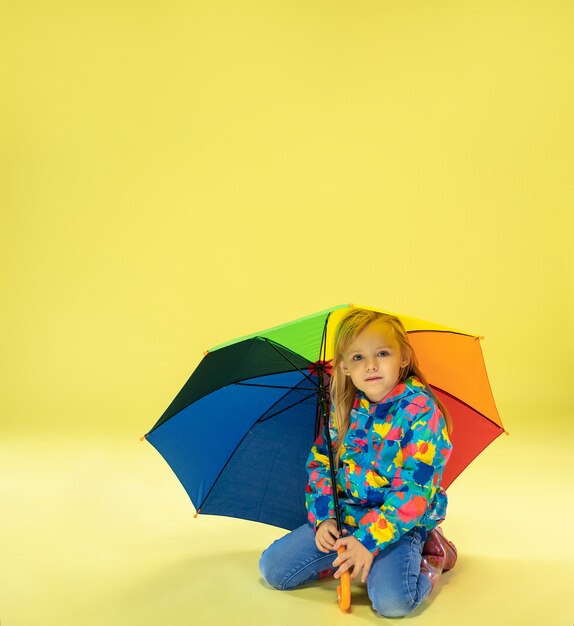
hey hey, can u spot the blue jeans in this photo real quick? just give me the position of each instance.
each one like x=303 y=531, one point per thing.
x=395 y=585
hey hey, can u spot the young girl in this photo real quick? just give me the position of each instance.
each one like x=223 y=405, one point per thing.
x=390 y=437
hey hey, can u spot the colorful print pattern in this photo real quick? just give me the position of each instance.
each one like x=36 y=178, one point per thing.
x=392 y=461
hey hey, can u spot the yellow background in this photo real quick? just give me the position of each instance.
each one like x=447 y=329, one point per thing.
x=177 y=174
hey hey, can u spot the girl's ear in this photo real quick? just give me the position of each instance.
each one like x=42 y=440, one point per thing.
x=405 y=358
x=344 y=369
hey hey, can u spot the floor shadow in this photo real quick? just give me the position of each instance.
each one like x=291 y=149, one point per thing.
x=227 y=587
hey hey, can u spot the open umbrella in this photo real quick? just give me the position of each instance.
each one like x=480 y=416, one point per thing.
x=238 y=433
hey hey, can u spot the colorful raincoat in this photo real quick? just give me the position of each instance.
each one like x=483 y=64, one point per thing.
x=392 y=460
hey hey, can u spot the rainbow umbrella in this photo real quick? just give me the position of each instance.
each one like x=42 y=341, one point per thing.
x=238 y=433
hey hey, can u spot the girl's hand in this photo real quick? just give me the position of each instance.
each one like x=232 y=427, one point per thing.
x=327 y=534
x=355 y=556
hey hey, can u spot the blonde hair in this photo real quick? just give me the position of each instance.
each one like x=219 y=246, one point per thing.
x=342 y=389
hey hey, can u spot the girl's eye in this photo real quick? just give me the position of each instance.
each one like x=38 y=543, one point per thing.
x=357 y=357
x=383 y=353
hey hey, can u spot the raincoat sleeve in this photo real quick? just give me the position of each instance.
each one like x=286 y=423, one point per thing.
x=420 y=461
x=319 y=492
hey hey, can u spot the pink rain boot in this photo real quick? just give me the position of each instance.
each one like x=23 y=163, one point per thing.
x=437 y=545
x=432 y=567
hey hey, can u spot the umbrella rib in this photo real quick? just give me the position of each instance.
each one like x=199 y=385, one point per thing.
x=273 y=386
x=223 y=469
x=445 y=332
x=261 y=420
x=274 y=345
x=450 y=395
x=258 y=421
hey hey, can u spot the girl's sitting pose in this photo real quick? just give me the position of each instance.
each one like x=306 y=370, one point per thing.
x=390 y=437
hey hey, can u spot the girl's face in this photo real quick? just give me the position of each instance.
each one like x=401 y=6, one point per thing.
x=373 y=360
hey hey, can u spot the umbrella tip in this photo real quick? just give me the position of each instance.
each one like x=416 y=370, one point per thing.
x=205 y=352
x=142 y=437
x=197 y=513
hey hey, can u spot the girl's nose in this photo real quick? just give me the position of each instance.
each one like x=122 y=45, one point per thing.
x=371 y=364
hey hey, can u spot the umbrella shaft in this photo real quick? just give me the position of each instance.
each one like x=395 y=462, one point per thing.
x=325 y=416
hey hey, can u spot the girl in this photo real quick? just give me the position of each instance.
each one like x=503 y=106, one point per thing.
x=390 y=437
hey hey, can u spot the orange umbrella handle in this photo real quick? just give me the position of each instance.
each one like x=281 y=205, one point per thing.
x=344 y=589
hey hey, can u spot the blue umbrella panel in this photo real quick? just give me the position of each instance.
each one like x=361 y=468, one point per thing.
x=239 y=449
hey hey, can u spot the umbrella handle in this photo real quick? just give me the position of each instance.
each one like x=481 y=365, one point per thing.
x=344 y=589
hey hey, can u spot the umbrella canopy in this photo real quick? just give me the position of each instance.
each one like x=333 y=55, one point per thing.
x=238 y=433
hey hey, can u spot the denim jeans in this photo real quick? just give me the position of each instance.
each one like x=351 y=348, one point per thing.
x=395 y=585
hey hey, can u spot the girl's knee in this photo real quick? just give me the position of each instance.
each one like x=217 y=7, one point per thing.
x=266 y=570
x=388 y=606
x=268 y=567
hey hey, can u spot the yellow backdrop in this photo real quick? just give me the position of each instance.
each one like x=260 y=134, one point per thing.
x=175 y=174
